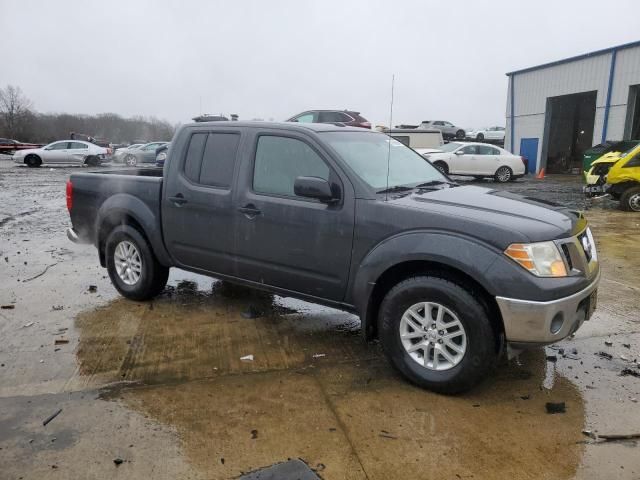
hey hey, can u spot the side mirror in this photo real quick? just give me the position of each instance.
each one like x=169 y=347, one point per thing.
x=459 y=152
x=314 y=187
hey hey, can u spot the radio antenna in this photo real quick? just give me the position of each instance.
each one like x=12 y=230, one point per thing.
x=393 y=78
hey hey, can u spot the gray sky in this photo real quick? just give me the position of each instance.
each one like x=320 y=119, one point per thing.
x=273 y=59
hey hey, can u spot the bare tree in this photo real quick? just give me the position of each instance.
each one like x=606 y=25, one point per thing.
x=15 y=110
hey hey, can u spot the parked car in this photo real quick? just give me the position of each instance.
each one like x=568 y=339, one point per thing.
x=343 y=118
x=144 y=154
x=619 y=177
x=488 y=133
x=480 y=160
x=442 y=274
x=120 y=153
x=161 y=155
x=422 y=141
x=64 y=151
x=448 y=129
x=9 y=146
x=609 y=150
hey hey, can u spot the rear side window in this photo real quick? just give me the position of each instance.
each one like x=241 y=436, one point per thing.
x=211 y=158
x=338 y=117
x=280 y=160
x=487 y=150
x=219 y=159
x=77 y=145
x=402 y=139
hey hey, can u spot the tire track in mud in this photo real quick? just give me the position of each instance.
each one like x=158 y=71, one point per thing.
x=12 y=218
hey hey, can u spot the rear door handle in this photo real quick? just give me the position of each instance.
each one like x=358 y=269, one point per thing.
x=178 y=200
x=250 y=210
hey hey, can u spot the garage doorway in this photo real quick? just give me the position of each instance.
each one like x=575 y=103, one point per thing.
x=569 y=131
x=632 y=124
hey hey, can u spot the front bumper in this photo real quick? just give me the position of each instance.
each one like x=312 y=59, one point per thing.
x=530 y=322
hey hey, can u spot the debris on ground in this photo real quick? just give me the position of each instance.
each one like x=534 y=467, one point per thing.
x=61 y=341
x=613 y=437
x=252 y=312
x=7 y=307
x=608 y=343
x=630 y=371
x=118 y=461
x=57 y=308
x=553 y=408
x=626 y=345
x=254 y=434
x=51 y=417
x=247 y=358
x=27 y=325
x=93 y=289
x=319 y=355
x=40 y=274
x=385 y=434
x=525 y=397
x=552 y=358
x=605 y=355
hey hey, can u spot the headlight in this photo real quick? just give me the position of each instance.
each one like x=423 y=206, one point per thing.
x=161 y=156
x=542 y=259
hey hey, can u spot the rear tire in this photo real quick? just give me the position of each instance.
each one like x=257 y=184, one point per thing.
x=33 y=161
x=138 y=275
x=630 y=199
x=443 y=167
x=455 y=372
x=460 y=134
x=480 y=137
x=92 y=161
x=131 y=160
x=503 y=175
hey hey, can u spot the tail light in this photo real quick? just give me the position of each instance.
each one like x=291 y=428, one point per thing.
x=365 y=125
x=69 y=195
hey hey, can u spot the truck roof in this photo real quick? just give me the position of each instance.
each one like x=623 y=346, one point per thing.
x=316 y=127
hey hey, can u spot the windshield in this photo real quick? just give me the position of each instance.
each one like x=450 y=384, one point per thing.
x=450 y=147
x=367 y=155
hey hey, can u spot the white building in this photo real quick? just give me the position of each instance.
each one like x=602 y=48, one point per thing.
x=557 y=110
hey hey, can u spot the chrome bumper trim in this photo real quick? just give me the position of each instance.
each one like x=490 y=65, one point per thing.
x=529 y=321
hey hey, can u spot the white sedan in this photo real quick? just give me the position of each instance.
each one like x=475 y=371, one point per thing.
x=488 y=133
x=63 y=151
x=478 y=160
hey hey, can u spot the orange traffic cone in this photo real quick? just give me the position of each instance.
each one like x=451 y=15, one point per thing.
x=540 y=175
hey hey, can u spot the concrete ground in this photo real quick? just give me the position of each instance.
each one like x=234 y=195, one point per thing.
x=161 y=386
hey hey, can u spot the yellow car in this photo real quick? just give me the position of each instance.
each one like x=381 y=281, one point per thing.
x=618 y=177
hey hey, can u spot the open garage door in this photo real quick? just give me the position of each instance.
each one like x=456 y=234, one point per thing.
x=569 y=121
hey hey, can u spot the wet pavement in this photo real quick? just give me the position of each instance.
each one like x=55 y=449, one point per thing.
x=159 y=389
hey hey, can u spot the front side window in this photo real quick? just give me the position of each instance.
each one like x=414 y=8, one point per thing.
x=380 y=160
x=280 y=160
x=193 y=160
x=470 y=150
x=58 y=146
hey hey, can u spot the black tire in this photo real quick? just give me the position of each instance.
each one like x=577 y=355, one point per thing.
x=480 y=137
x=503 y=175
x=33 y=161
x=460 y=134
x=92 y=161
x=153 y=276
x=630 y=199
x=481 y=352
x=131 y=160
x=443 y=167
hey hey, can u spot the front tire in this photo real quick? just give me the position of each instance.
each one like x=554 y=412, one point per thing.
x=131 y=160
x=33 y=161
x=630 y=199
x=133 y=268
x=437 y=334
x=460 y=134
x=503 y=175
x=480 y=137
x=443 y=167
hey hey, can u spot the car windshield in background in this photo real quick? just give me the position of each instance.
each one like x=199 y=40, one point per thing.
x=372 y=156
x=450 y=147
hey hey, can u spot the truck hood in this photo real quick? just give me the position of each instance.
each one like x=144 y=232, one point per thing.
x=528 y=219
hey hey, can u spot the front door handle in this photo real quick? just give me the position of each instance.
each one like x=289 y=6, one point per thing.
x=250 y=210
x=178 y=200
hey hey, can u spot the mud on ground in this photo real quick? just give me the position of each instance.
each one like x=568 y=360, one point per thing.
x=162 y=387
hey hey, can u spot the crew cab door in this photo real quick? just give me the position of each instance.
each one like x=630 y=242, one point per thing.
x=295 y=243
x=197 y=206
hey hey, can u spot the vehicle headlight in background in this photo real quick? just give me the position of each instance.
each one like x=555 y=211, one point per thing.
x=543 y=259
x=161 y=156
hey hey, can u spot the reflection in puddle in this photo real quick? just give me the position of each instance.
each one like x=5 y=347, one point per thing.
x=316 y=391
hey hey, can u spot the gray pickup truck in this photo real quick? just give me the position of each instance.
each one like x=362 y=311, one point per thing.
x=446 y=276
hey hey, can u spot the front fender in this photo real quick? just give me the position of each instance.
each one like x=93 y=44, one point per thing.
x=465 y=254
x=124 y=204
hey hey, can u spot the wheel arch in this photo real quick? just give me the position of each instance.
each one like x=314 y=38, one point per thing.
x=124 y=209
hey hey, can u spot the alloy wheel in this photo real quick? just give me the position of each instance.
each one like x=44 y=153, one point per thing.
x=128 y=262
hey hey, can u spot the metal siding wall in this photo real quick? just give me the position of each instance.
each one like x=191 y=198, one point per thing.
x=533 y=88
x=627 y=73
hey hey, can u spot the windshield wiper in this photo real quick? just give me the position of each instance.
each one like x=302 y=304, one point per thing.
x=434 y=183
x=396 y=188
